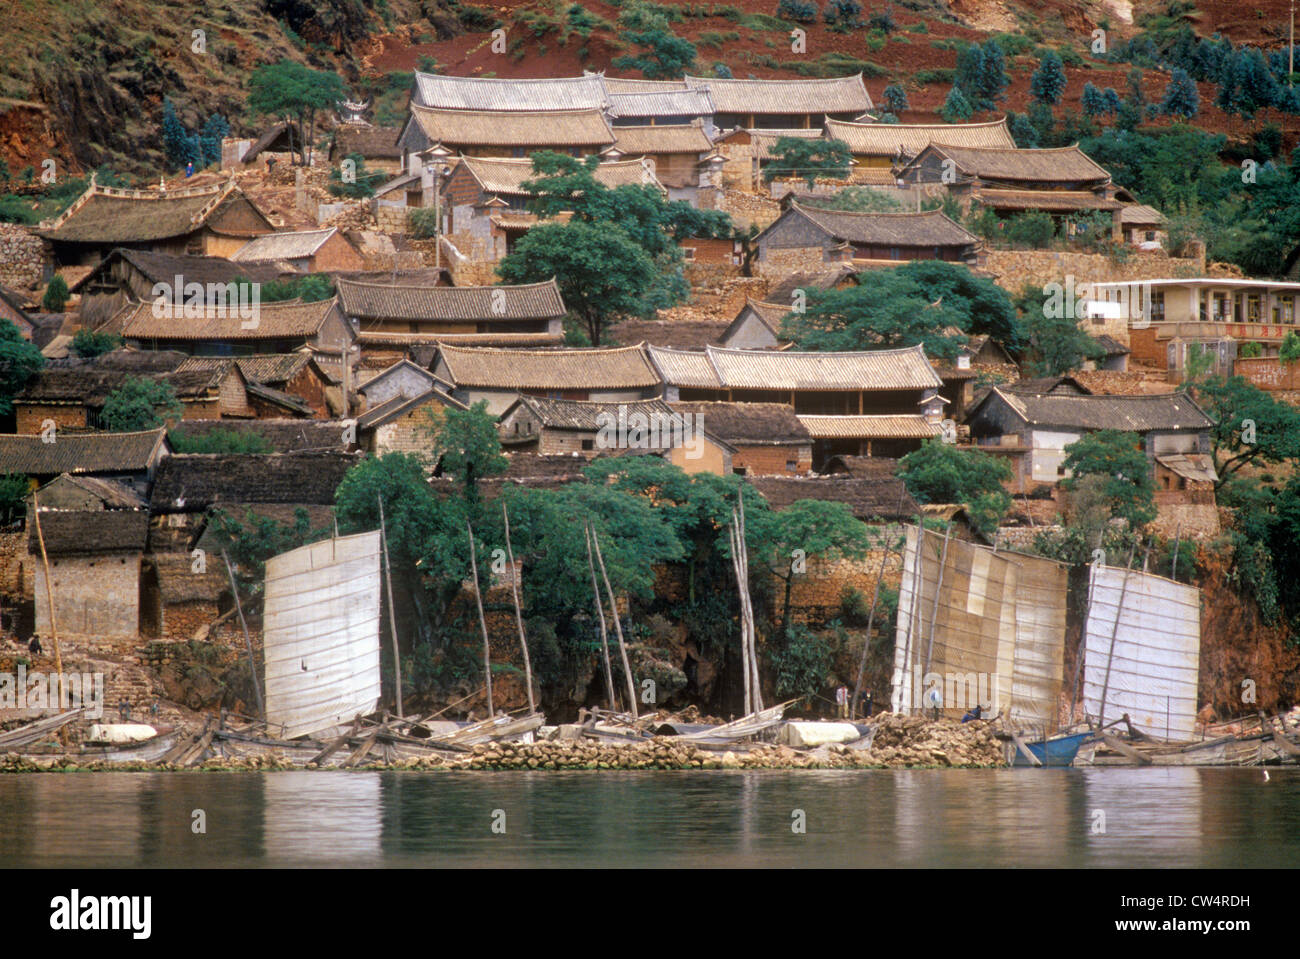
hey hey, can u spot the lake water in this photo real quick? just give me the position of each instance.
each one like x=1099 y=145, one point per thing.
x=896 y=818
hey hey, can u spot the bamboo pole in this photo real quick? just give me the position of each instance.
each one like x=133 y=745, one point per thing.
x=482 y=621
x=917 y=573
x=49 y=597
x=248 y=642
x=600 y=615
x=744 y=623
x=938 y=588
x=392 y=615
x=618 y=626
x=866 y=645
x=519 y=614
x=1114 y=631
x=749 y=608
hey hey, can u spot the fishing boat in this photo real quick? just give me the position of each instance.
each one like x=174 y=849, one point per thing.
x=1053 y=751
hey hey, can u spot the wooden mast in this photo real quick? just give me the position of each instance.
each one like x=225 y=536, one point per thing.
x=49 y=597
x=600 y=615
x=519 y=615
x=482 y=621
x=248 y=642
x=392 y=615
x=618 y=627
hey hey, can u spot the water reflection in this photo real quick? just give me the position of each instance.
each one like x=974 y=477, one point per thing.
x=905 y=818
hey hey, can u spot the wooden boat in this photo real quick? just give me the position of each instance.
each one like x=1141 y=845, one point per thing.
x=1053 y=751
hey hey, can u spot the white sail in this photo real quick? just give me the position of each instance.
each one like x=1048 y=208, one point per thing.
x=1143 y=655
x=321 y=634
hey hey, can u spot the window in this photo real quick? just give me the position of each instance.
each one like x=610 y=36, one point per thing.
x=588 y=444
x=792 y=466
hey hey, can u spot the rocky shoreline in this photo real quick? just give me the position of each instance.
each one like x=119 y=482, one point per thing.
x=899 y=742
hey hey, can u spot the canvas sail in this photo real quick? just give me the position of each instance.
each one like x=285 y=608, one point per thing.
x=321 y=634
x=956 y=625
x=998 y=627
x=1143 y=654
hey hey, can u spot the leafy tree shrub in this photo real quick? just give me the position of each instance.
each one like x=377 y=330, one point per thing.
x=218 y=441
x=800 y=11
x=1048 y=81
x=56 y=295
x=1124 y=479
x=1181 y=98
x=140 y=404
x=89 y=343
x=1033 y=230
x=956 y=108
x=895 y=98
x=843 y=15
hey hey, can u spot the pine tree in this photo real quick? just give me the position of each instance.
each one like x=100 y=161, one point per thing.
x=1048 y=82
x=895 y=98
x=1181 y=98
x=956 y=108
x=1258 y=87
x=993 y=73
x=1093 y=101
x=176 y=139
x=210 y=137
x=1022 y=131
x=970 y=65
x=1112 y=100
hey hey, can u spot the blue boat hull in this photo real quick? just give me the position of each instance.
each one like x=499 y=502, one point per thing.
x=1052 y=752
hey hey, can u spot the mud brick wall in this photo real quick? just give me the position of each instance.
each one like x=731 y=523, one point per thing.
x=95 y=596
x=24 y=256
x=773 y=460
x=16 y=581
x=390 y=219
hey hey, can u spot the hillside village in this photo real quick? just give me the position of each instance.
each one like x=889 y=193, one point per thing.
x=921 y=321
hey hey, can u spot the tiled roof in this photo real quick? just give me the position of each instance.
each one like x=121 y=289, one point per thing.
x=890 y=139
x=79 y=532
x=551 y=128
x=815 y=95
x=81 y=453
x=904 y=426
x=930 y=228
x=274 y=320
x=749 y=424
x=663 y=138
x=1139 y=414
x=1062 y=200
x=400 y=405
x=380 y=338
x=875 y=498
x=678 y=334
x=897 y=369
x=585 y=415
x=111 y=494
x=619 y=367
x=763 y=142
x=1059 y=164
x=783 y=291
x=621 y=85
x=104 y=215
x=661 y=103
x=283 y=435
x=508 y=175
x=369 y=301
x=191 y=482
x=283 y=246
x=377 y=143
x=165 y=267
x=1198 y=467
x=1137 y=214
x=478 y=93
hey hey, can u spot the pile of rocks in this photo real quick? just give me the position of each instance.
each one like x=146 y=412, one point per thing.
x=904 y=740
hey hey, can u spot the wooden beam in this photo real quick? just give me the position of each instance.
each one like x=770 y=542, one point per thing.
x=1024 y=750
x=478 y=598
x=248 y=642
x=1279 y=738
x=392 y=615
x=1124 y=749
x=49 y=597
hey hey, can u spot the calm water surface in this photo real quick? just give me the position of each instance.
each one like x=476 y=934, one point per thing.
x=900 y=818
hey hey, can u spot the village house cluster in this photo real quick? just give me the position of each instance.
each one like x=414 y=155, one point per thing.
x=419 y=326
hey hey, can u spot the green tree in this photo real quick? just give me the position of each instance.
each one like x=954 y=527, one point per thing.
x=1289 y=351
x=1056 y=344
x=20 y=360
x=893 y=311
x=294 y=93
x=843 y=16
x=602 y=274
x=856 y=199
x=14 y=490
x=179 y=146
x=896 y=98
x=464 y=445
x=1250 y=427
x=940 y=472
x=140 y=404
x=1093 y=101
x=1181 y=98
x=251 y=541
x=809 y=158
x=90 y=343
x=664 y=55
x=956 y=108
x=56 y=295
x=361 y=182
x=807 y=530
x=1125 y=481
x=1048 y=82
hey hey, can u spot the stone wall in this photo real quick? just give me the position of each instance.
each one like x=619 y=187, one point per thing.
x=749 y=207
x=792 y=260
x=24 y=257
x=1014 y=268
x=95 y=596
x=390 y=218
